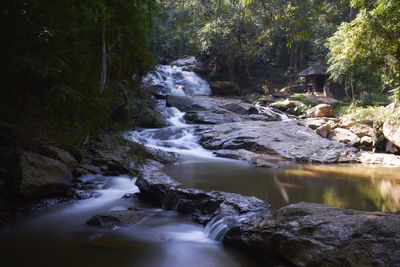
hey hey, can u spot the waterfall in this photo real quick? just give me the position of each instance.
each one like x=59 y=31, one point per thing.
x=175 y=79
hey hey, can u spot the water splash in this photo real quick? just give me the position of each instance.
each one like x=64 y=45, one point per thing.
x=176 y=79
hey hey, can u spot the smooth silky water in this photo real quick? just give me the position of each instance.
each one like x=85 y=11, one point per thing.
x=60 y=237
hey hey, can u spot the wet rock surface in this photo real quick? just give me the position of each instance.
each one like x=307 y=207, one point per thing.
x=117 y=218
x=201 y=206
x=289 y=140
x=319 y=235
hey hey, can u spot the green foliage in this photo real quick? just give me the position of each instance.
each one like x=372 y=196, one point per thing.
x=51 y=54
x=370 y=42
x=245 y=41
x=146 y=117
x=303 y=99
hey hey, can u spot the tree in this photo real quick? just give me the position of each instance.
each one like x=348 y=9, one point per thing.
x=62 y=58
x=371 y=40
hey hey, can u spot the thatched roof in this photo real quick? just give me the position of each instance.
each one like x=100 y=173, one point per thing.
x=316 y=69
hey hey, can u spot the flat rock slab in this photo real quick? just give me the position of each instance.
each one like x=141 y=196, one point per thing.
x=117 y=218
x=290 y=140
x=380 y=158
x=319 y=235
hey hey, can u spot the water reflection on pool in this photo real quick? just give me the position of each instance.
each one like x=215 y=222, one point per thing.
x=354 y=186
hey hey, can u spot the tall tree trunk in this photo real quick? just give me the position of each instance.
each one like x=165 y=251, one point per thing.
x=102 y=83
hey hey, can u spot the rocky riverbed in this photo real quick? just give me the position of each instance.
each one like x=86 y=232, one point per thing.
x=305 y=234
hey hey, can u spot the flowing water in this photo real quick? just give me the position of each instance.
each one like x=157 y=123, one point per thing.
x=60 y=237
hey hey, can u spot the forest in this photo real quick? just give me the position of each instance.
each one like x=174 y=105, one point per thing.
x=200 y=133
x=66 y=64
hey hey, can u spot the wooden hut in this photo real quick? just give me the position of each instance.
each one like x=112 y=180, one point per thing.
x=315 y=75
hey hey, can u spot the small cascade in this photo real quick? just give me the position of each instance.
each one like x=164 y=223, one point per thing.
x=170 y=201
x=177 y=79
x=218 y=226
x=174 y=79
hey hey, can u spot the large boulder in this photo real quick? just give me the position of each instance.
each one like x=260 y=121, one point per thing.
x=391 y=131
x=362 y=130
x=290 y=140
x=63 y=156
x=309 y=234
x=183 y=103
x=116 y=218
x=344 y=136
x=42 y=176
x=321 y=110
x=224 y=88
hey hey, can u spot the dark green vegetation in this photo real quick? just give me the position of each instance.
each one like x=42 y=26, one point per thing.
x=67 y=66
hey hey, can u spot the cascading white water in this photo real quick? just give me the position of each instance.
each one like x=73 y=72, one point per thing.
x=218 y=226
x=175 y=79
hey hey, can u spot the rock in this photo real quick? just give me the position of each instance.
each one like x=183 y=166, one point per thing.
x=117 y=218
x=362 y=130
x=183 y=103
x=321 y=110
x=241 y=154
x=201 y=206
x=263 y=101
x=391 y=131
x=324 y=130
x=42 y=176
x=263 y=117
x=158 y=91
x=163 y=156
x=288 y=106
x=289 y=140
x=63 y=156
x=224 y=88
x=309 y=234
x=315 y=123
x=344 y=136
x=366 y=141
x=347 y=123
x=211 y=117
x=253 y=111
x=390 y=148
x=254 y=159
x=235 y=108
x=380 y=158
x=153 y=181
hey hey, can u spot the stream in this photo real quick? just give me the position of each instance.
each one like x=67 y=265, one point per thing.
x=60 y=237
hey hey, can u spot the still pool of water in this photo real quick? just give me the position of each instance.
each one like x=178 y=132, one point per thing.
x=352 y=186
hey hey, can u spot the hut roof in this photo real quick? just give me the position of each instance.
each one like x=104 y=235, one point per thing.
x=315 y=69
